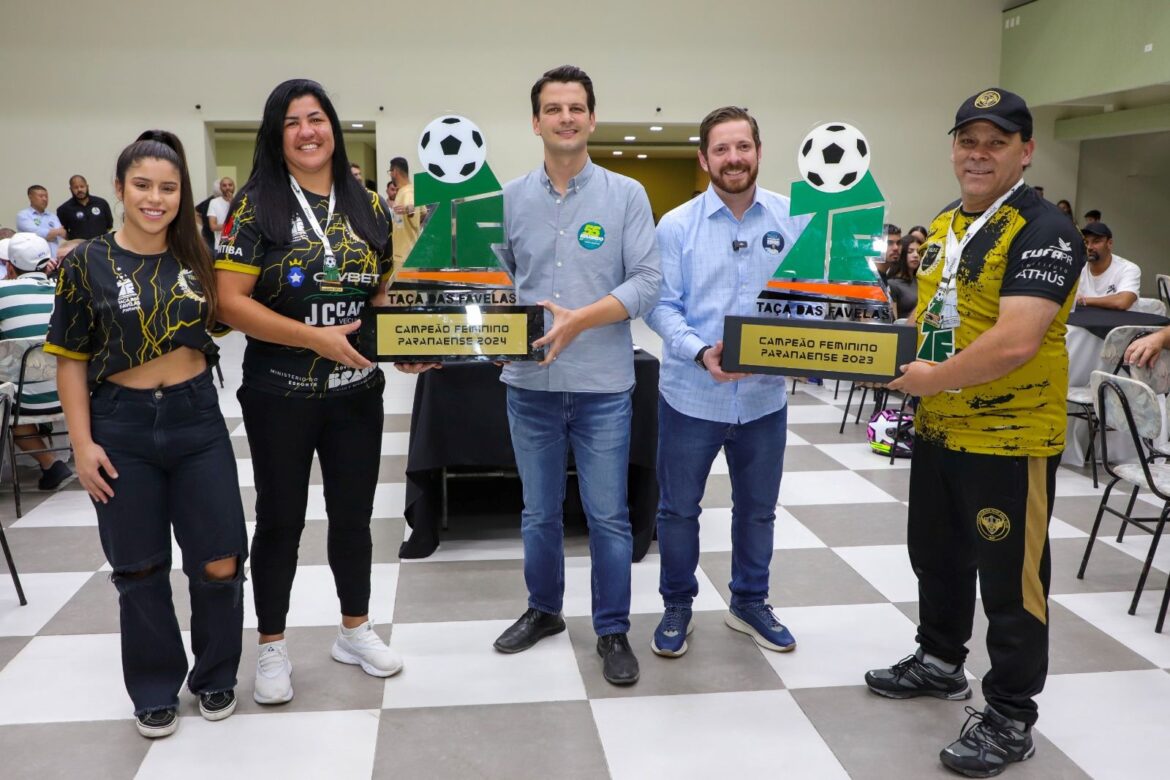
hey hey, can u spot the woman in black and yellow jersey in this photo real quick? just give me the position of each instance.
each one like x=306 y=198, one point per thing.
x=129 y=327
x=304 y=249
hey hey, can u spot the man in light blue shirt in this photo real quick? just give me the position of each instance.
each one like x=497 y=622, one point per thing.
x=579 y=241
x=38 y=219
x=718 y=251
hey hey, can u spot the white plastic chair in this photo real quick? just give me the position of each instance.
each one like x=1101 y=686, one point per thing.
x=1125 y=401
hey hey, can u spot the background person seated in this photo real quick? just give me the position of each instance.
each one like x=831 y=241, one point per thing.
x=26 y=303
x=1107 y=281
x=902 y=278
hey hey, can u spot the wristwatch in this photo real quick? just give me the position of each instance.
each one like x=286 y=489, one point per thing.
x=699 y=357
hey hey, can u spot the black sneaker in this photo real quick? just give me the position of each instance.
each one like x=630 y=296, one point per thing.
x=619 y=665
x=218 y=705
x=913 y=676
x=55 y=477
x=532 y=627
x=160 y=723
x=987 y=744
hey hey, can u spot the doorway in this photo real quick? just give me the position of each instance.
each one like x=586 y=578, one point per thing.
x=660 y=157
x=234 y=143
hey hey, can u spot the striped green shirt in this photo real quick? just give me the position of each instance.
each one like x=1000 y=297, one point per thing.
x=26 y=303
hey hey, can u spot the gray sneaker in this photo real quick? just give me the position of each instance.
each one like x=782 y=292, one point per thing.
x=912 y=676
x=987 y=744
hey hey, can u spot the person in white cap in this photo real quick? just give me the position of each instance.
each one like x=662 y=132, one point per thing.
x=26 y=303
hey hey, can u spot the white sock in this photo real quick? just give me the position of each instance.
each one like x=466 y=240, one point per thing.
x=940 y=663
x=276 y=643
x=348 y=632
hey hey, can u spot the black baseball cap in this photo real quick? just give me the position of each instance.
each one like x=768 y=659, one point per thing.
x=1006 y=110
x=1097 y=229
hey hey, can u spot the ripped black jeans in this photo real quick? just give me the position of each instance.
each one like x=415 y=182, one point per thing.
x=176 y=468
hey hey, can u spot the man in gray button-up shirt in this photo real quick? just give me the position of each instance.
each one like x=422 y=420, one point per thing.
x=578 y=240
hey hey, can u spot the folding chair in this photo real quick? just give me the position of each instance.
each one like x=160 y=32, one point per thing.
x=903 y=424
x=1125 y=399
x=879 y=400
x=1082 y=397
x=7 y=390
x=35 y=366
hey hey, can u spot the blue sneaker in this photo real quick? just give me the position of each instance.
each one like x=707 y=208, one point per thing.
x=670 y=638
x=760 y=623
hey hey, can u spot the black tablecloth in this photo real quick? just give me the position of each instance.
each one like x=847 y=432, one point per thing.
x=1100 y=321
x=460 y=420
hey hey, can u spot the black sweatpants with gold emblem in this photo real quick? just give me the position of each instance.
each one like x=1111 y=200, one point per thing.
x=984 y=516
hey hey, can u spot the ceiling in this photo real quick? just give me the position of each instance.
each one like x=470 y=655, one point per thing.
x=246 y=131
x=673 y=141
x=1142 y=97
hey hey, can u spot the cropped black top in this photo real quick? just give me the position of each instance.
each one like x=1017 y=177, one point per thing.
x=116 y=309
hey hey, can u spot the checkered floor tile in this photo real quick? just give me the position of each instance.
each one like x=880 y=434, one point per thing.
x=840 y=580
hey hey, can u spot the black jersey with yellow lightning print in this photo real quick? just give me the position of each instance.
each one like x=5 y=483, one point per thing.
x=297 y=280
x=117 y=309
x=1027 y=248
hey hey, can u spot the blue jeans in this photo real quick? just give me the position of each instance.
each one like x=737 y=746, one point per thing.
x=597 y=426
x=687 y=447
x=176 y=468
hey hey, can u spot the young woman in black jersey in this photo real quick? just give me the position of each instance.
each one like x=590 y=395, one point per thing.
x=129 y=329
x=304 y=249
x=902 y=277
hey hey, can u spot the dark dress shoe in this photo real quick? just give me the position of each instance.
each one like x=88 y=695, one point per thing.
x=619 y=665
x=532 y=627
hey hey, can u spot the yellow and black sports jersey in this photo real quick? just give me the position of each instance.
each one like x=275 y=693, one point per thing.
x=117 y=309
x=295 y=280
x=1029 y=248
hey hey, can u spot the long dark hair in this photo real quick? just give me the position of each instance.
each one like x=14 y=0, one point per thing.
x=268 y=185
x=183 y=239
x=900 y=268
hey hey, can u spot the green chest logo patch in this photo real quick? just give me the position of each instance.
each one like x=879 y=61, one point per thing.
x=591 y=235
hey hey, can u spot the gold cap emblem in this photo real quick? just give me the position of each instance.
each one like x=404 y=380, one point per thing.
x=987 y=99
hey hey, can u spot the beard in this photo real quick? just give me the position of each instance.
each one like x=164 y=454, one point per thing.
x=736 y=188
x=1092 y=256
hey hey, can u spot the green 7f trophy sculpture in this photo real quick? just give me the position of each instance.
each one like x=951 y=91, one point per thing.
x=825 y=312
x=452 y=300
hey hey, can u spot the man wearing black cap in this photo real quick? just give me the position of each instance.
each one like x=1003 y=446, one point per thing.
x=1108 y=281
x=994 y=290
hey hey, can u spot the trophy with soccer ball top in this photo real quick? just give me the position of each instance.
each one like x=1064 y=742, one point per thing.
x=452 y=300
x=825 y=311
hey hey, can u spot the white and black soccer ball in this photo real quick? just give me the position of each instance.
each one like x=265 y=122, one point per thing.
x=833 y=157
x=452 y=149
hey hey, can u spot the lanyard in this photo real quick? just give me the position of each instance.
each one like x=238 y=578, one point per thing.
x=309 y=215
x=955 y=247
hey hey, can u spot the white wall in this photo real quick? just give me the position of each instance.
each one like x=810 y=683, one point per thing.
x=1055 y=163
x=1125 y=179
x=76 y=90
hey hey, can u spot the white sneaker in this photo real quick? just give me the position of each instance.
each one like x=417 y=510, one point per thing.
x=362 y=647
x=273 y=674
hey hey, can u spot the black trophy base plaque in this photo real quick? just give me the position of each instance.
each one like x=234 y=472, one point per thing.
x=447 y=334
